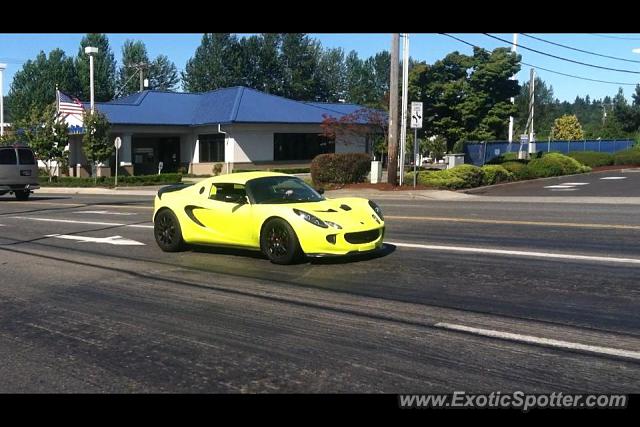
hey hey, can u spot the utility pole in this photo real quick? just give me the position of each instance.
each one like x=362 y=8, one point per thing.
x=141 y=66
x=405 y=89
x=532 y=91
x=2 y=68
x=392 y=167
x=513 y=100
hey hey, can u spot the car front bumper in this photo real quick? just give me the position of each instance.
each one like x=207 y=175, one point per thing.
x=322 y=246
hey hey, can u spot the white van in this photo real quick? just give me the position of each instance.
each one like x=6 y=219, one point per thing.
x=18 y=171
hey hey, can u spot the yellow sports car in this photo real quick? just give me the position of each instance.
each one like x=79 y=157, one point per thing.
x=275 y=213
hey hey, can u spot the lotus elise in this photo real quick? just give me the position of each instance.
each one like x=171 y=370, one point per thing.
x=275 y=213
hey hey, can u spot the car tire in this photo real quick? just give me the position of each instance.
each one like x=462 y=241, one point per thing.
x=22 y=195
x=167 y=231
x=279 y=242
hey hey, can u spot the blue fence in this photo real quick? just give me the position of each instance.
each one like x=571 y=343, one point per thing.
x=479 y=153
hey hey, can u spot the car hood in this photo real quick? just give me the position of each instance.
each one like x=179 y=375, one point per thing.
x=349 y=212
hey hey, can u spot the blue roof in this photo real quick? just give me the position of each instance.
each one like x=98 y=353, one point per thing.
x=229 y=105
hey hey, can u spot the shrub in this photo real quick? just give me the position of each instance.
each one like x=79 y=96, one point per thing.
x=518 y=169
x=554 y=164
x=627 y=157
x=340 y=168
x=463 y=176
x=495 y=174
x=102 y=181
x=592 y=158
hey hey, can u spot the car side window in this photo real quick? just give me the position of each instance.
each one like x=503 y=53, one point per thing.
x=7 y=156
x=226 y=192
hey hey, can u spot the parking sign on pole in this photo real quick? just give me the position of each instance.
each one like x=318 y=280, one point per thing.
x=416 y=123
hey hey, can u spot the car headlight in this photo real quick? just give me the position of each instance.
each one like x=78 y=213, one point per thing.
x=333 y=224
x=376 y=209
x=311 y=218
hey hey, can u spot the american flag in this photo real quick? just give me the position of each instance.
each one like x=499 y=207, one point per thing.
x=68 y=104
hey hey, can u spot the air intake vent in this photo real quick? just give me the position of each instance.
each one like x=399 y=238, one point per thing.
x=345 y=207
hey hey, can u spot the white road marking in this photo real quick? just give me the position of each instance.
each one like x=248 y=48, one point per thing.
x=104 y=213
x=550 y=255
x=575 y=183
x=113 y=240
x=69 y=221
x=529 y=339
x=558 y=186
x=564 y=189
x=614 y=177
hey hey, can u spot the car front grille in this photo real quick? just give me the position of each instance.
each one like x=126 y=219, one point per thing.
x=362 y=236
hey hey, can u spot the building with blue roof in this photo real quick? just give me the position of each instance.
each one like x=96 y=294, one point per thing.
x=238 y=127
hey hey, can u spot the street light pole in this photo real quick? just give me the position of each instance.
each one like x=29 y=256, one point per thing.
x=90 y=51
x=513 y=100
x=2 y=68
x=403 y=124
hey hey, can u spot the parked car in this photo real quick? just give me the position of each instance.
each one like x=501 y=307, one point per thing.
x=18 y=171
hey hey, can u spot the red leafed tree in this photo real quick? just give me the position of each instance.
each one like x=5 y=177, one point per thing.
x=366 y=122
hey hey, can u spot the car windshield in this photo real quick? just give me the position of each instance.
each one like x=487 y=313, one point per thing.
x=282 y=189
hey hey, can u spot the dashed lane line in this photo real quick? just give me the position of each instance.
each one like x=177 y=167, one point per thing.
x=69 y=221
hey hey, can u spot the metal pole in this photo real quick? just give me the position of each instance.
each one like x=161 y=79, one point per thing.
x=91 y=81
x=141 y=77
x=2 y=68
x=392 y=161
x=403 y=124
x=117 y=164
x=513 y=100
x=415 y=156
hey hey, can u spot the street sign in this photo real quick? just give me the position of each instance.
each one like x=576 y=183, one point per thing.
x=524 y=138
x=160 y=166
x=416 y=115
x=118 y=143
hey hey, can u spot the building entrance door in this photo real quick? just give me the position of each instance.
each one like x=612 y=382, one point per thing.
x=148 y=152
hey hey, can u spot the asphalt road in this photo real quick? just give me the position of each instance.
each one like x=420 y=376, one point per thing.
x=467 y=295
x=613 y=183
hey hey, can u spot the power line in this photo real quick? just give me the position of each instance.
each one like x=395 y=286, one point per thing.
x=546 y=69
x=580 y=50
x=614 y=37
x=564 y=59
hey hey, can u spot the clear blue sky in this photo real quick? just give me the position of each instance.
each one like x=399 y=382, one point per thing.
x=17 y=48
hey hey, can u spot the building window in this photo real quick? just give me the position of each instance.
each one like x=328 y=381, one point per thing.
x=301 y=146
x=211 y=147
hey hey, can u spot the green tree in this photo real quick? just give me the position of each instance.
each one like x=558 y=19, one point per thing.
x=46 y=135
x=299 y=58
x=134 y=56
x=214 y=65
x=330 y=76
x=544 y=108
x=34 y=86
x=567 y=128
x=95 y=143
x=104 y=68
x=163 y=74
x=466 y=97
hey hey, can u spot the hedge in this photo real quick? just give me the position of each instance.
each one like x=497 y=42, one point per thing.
x=340 y=168
x=506 y=157
x=136 y=180
x=555 y=164
x=627 y=157
x=495 y=174
x=463 y=176
x=518 y=169
x=592 y=158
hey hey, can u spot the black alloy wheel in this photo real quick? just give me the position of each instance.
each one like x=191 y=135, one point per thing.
x=168 y=234
x=279 y=242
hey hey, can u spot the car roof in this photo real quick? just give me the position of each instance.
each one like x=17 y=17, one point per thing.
x=243 y=177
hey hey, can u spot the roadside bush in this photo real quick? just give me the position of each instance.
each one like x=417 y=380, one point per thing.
x=463 y=176
x=555 y=164
x=340 y=168
x=518 y=169
x=495 y=174
x=592 y=158
x=101 y=181
x=627 y=157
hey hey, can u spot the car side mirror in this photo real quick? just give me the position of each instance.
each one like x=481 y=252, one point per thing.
x=320 y=190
